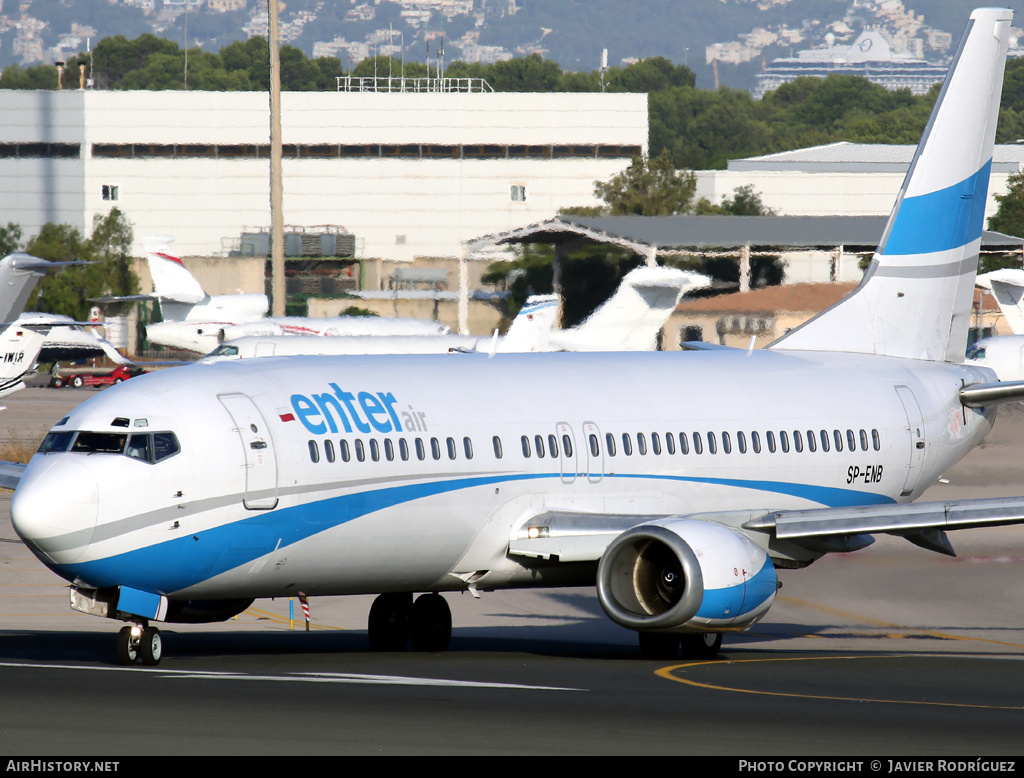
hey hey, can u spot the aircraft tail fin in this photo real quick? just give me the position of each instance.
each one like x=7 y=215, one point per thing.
x=171 y=279
x=19 y=350
x=19 y=274
x=532 y=327
x=1008 y=288
x=916 y=295
x=631 y=318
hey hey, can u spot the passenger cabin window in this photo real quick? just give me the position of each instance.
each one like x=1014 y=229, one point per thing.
x=627 y=444
x=741 y=442
x=684 y=444
x=641 y=444
x=314 y=452
x=670 y=443
x=526 y=446
x=609 y=443
x=567 y=445
x=497 y=447
x=467 y=447
x=328 y=450
x=403 y=449
x=421 y=452
x=698 y=447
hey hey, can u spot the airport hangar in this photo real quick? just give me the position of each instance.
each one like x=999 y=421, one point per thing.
x=838 y=242
x=408 y=173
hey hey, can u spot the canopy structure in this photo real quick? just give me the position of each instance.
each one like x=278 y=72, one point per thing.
x=649 y=236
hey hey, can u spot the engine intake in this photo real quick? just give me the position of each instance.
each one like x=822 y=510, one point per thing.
x=685 y=575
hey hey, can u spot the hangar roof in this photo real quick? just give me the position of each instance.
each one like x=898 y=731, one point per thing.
x=644 y=233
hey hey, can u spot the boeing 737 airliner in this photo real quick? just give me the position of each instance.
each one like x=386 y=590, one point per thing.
x=677 y=482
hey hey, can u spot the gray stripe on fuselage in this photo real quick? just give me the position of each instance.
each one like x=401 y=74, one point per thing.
x=948 y=270
x=129 y=524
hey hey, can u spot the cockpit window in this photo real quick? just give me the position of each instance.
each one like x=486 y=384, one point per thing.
x=56 y=441
x=139 y=447
x=224 y=350
x=99 y=442
x=165 y=444
x=146 y=447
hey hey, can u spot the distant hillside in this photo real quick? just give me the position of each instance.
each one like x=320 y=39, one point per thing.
x=570 y=32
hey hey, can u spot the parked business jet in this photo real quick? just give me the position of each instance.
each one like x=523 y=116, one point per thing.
x=628 y=321
x=1003 y=353
x=196 y=321
x=677 y=482
x=28 y=338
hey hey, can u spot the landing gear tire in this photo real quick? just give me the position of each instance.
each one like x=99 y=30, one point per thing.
x=390 y=622
x=703 y=646
x=77 y=382
x=431 y=623
x=127 y=647
x=659 y=645
x=151 y=646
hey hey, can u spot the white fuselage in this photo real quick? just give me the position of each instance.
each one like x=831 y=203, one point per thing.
x=261 y=502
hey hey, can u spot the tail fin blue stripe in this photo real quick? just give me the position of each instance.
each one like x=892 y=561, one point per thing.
x=942 y=220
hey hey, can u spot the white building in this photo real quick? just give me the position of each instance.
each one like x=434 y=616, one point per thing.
x=410 y=174
x=838 y=179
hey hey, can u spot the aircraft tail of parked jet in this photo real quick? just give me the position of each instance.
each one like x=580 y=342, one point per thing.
x=631 y=318
x=181 y=296
x=532 y=327
x=915 y=298
x=19 y=350
x=1007 y=286
x=19 y=274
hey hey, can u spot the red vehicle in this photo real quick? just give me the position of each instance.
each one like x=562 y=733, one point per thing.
x=78 y=379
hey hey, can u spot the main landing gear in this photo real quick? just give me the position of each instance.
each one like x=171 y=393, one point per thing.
x=665 y=645
x=395 y=620
x=139 y=643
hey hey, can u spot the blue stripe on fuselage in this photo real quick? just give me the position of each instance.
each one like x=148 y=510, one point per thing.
x=942 y=220
x=177 y=564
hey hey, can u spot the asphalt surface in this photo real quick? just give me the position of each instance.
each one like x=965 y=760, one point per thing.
x=892 y=650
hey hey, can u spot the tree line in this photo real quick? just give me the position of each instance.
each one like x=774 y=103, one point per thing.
x=700 y=128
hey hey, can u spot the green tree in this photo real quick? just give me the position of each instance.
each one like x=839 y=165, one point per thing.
x=35 y=77
x=10 y=239
x=107 y=268
x=649 y=187
x=1009 y=216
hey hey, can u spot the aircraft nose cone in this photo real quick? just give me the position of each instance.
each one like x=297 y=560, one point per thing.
x=55 y=507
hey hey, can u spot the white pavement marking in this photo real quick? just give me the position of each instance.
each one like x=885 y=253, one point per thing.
x=383 y=680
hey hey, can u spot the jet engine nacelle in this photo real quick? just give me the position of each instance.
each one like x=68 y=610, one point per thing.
x=685 y=575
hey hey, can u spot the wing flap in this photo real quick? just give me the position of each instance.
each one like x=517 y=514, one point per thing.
x=896 y=519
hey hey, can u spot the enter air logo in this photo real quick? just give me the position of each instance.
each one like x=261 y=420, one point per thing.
x=361 y=412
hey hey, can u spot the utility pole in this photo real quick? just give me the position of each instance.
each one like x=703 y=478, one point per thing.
x=276 y=190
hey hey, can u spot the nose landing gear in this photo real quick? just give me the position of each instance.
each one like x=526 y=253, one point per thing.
x=139 y=643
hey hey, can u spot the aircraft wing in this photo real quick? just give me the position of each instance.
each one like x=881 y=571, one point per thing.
x=566 y=536
x=10 y=474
